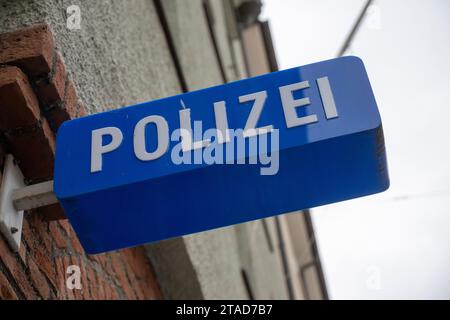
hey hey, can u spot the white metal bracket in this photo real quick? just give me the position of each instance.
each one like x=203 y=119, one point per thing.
x=10 y=218
x=15 y=197
x=34 y=196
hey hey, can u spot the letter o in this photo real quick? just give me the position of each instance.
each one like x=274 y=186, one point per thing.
x=139 y=138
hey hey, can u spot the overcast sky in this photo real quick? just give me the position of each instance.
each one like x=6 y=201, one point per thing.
x=395 y=244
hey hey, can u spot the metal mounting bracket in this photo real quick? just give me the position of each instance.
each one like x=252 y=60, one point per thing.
x=34 y=196
x=15 y=197
x=11 y=218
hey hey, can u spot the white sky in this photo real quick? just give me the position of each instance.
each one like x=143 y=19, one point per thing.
x=396 y=244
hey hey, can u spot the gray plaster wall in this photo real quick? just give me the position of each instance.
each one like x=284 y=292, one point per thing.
x=118 y=57
x=259 y=251
x=189 y=31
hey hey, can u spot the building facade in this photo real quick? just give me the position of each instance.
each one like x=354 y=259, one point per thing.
x=62 y=59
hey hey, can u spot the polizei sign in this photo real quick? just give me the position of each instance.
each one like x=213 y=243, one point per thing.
x=246 y=150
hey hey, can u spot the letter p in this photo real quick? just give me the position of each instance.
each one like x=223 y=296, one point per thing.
x=97 y=147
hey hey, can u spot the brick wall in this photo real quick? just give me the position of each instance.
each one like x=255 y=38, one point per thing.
x=36 y=96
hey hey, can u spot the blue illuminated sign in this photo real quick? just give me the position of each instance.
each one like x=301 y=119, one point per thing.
x=246 y=150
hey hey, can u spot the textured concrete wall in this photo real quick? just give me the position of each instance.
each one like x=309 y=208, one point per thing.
x=189 y=30
x=118 y=57
x=221 y=26
x=259 y=251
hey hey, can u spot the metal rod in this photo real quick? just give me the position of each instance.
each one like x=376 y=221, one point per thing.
x=355 y=28
x=34 y=196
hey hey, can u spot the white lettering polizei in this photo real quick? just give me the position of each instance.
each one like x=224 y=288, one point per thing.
x=196 y=142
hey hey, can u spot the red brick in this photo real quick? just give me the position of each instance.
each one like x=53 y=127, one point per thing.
x=76 y=245
x=46 y=266
x=108 y=291
x=100 y=260
x=122 y=278
x=6 y=290
x=132 y=259
x=30 y=139
x=27 y=235
x=100 y=283
x=34 y=150
x=40 y=283
x=139 y=292
x=31 y=49
x=84 y=281
x=22 y=254
x=111 y=292
x=142 y=289
x=51 y=88
x=18 y=104
x=139 y=262
x=92 y=283
x=58 y=237
x=114 y=294
x=150 y=287
x=37 y=222
x=13 y=264
x=67 y=110
x=71 y=100
x=60 y=278
x=107 y=265
x=66 y=227
x=138 y=265
x=95 y=258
